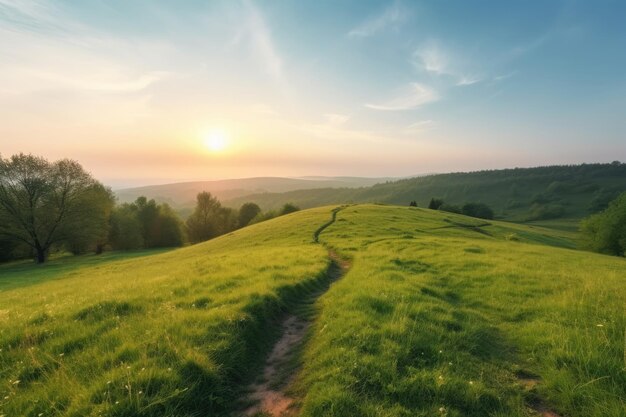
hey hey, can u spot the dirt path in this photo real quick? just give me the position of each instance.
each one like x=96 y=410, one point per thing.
x=270 y=396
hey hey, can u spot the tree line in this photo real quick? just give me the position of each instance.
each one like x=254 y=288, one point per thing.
x=48 y=207
x=479 y=210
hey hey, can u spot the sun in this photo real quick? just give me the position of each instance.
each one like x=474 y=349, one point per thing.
x=216 y=141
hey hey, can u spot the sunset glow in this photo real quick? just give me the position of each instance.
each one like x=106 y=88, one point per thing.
x=216 y=141
x=382 y=88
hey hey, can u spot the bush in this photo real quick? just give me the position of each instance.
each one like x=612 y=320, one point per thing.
x=605 y=232
x=451 y=208
x=247 y=212
x=435 y=203
x=479 y=210
x=545 y=211
x=289 y=208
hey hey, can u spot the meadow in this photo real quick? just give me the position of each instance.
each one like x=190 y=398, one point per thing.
x=440 y=314
x=446 y=315
x=172 y=334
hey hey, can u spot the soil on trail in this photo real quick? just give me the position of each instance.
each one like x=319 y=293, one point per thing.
x=529 y=381
x=270 y=396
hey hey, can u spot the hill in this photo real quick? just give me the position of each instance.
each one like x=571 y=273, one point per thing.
x=520 y=194
x=183 y=194
x=438 y=314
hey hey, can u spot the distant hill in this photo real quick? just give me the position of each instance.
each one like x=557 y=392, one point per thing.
x=519 y=194
x=183 y=194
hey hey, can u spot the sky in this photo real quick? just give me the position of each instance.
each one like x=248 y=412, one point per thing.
x=146 y=92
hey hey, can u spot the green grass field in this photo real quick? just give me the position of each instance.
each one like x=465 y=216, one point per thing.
x=440 y=315
x=168 y=334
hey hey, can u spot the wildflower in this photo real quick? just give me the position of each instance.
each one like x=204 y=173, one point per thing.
x=117 y=402
x=442 y=409
x=140 y=392
x=599 y=325
x=441 y=351
x=440 y=377
x=450 y=363
x=169 y=369
x=61 y=354
x=17 y=381
x=108 y=382
x=471 y=382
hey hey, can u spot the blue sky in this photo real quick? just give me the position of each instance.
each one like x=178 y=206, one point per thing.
x=132 y=89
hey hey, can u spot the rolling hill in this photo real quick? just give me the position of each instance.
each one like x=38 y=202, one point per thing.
x=183 y=194
x=432 y=313
x=521 y=194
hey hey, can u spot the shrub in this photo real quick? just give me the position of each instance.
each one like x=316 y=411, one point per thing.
x=479 y=210
x=605 y=232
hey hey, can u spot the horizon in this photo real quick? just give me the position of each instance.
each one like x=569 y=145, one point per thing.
x=146 y=94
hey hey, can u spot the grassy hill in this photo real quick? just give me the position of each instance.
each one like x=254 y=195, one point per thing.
x=521 y=194
x=440 y=314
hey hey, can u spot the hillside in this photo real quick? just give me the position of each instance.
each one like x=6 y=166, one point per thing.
x=520 y=194
x=183 y=194
x=437 y=314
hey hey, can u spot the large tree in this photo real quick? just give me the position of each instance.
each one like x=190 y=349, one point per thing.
x=203 y=224
x=45 y=203
x=247 y=212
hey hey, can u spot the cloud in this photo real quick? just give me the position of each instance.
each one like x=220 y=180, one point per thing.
x=433 y=59
x=336 y=119
x=261 y=40
x=414 y=95
x=391 y=17
x=420 y=126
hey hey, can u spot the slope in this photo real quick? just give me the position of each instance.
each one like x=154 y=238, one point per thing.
x=520 y=194
x=170 y=334
x=447 y=315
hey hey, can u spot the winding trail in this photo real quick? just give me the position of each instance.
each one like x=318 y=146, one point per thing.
x=270 y=396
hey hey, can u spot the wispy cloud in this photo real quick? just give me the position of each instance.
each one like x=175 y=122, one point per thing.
x=420 y=126
x=390 y=17
x=259 y=34
x=434 y=59
x=412 y=96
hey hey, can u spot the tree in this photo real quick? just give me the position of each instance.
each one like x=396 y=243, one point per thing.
x=247 y=212
x=413 y=203
x=480 y=210
x=91 y=234
x=125 y=232
x=145 y=224
x=44 y=203
x=203 y=224
x=605 y=232
x=289 y=208
x=435 y=203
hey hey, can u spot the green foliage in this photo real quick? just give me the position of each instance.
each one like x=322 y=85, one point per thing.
x=46 y=203
x=288 y=208
x=539 y=211
x=450 y=208
x=508 y=191
x=479 y=210
x=145 y=224
x=209 y=219
x=247 y=212
x=435 y=204
x=605 y=232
